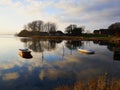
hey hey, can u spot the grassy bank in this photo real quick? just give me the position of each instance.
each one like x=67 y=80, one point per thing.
x=84 y=37
x=95 y=37
x=101 y=83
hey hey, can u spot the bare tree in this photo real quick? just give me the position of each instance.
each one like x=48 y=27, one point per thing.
x=32 y=26
x=39 y=25
x=74 y=30
x=53 y=28
x=50 y=27
x=25 y=27
x=69 y=28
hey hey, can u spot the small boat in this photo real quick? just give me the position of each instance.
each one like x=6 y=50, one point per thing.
x=25 y=53
x=86 y=51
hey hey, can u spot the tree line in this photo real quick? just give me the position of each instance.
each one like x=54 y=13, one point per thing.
x=38 y=27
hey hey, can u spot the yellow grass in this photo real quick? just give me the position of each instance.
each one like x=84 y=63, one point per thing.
x=102 y=83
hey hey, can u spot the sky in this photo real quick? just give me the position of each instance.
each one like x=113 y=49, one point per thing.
x=92 y=14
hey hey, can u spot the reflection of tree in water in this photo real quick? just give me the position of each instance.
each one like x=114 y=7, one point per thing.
x=101 y=42
x=117 y=55
x=112 y=46
x=72 y=45
x=116 y=50
x=35 y=45
x=38 y=45
x=58 y=41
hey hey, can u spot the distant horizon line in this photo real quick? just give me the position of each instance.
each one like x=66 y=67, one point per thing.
x=7 y=33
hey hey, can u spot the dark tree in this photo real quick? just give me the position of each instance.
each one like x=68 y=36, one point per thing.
x=32 y=26
x=40 y=26
x=76 y=31
x=69 y=29
x=114 y=29
x=46 y=27
x=53 y=28
x=73 y=30
x=50 y=27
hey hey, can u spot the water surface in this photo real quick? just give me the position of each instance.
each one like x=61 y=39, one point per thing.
x=54 y=63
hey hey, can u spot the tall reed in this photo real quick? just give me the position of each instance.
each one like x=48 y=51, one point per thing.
x=101 y=83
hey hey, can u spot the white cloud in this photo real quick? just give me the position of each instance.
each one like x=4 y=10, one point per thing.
x=5 y=2
x=73 y=11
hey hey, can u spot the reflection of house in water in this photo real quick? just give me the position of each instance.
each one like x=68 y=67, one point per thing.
x=101 y=42
x=117 y=55
x=116 y=50
x=112 y=46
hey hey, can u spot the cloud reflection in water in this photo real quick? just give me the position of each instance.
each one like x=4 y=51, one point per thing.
x=10 y=76
x=63 y=64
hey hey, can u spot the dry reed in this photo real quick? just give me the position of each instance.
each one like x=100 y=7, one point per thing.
x=101 y=83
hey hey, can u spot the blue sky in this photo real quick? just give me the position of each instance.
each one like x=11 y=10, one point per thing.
x=93 y=14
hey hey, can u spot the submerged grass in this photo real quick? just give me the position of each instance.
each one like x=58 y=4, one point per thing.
x=101 y=83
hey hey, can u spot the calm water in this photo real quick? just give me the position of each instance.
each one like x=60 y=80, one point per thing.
x=54 y=63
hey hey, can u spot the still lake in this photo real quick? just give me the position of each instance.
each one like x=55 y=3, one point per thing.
x=54 y=62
